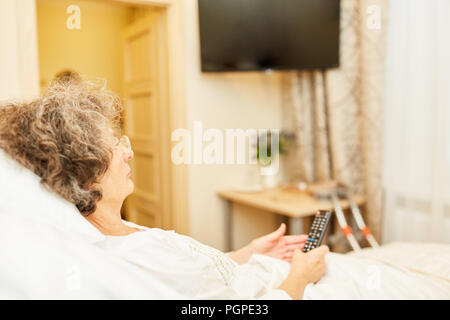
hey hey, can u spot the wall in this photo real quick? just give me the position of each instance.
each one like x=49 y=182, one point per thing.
x=224 y=100
x=18 y=58
x=94 y=50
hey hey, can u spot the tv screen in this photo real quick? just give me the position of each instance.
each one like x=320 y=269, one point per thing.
x=245 y=35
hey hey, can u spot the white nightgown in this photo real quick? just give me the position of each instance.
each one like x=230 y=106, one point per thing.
x=197 y=271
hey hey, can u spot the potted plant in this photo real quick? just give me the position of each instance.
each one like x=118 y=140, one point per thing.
x=267 y=154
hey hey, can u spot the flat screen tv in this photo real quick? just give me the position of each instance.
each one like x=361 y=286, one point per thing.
x=246 y=35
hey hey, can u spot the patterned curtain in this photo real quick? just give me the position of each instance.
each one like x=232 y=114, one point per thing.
x=337 y=114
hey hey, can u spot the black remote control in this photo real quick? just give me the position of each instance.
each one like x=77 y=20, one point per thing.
x=318 y=229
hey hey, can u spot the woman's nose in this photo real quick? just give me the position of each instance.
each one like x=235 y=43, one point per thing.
x=128 y=155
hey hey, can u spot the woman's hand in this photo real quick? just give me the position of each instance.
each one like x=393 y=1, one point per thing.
x=274 y=244
x=305 y=268
x=310 y=265
x=277 y=245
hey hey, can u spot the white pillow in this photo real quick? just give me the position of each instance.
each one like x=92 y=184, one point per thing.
x=38 y=261
x=22 y=194
x=43 y=255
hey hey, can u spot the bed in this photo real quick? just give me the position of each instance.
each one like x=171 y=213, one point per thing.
x=47 y=252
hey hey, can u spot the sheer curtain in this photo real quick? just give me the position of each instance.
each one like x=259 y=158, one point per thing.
x=337 y=115
x=416 y=168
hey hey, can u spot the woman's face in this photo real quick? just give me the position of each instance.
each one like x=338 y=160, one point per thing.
x=116 y=184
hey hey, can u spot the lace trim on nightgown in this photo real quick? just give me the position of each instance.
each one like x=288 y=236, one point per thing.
x=224 y=265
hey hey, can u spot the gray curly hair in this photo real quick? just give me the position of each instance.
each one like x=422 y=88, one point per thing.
x=61 y=137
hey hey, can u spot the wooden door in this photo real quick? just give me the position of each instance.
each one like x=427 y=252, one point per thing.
x=144 y=121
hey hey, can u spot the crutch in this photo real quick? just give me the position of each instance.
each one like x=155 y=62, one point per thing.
x=359 y=219
x=348 y=232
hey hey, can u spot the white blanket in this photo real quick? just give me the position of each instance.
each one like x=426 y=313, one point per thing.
x=394 y=271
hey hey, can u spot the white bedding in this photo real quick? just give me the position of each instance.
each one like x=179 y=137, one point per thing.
x=39 y=261
x=47 y=252
x=393 y=271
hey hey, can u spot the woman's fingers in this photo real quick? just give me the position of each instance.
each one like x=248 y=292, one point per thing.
x=293 y=239
x=289 y=252
x=293 y=247
x=320 y=252
x=288 y=256
x=277 y=233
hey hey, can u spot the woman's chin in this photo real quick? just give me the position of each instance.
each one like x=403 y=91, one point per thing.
x=130 y=186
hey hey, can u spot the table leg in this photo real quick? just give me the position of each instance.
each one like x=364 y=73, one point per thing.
x=228 y=226
x=295 y=226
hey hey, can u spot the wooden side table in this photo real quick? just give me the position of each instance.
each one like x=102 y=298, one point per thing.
x=290 y=204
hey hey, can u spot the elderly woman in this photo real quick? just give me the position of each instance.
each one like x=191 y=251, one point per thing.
x=67 y=137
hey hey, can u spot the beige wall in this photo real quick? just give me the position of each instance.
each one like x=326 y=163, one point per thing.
x=94 y=50
x=18 y=59
x=224 y=100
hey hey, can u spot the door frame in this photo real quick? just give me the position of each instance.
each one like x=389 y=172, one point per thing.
x=173 y=75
